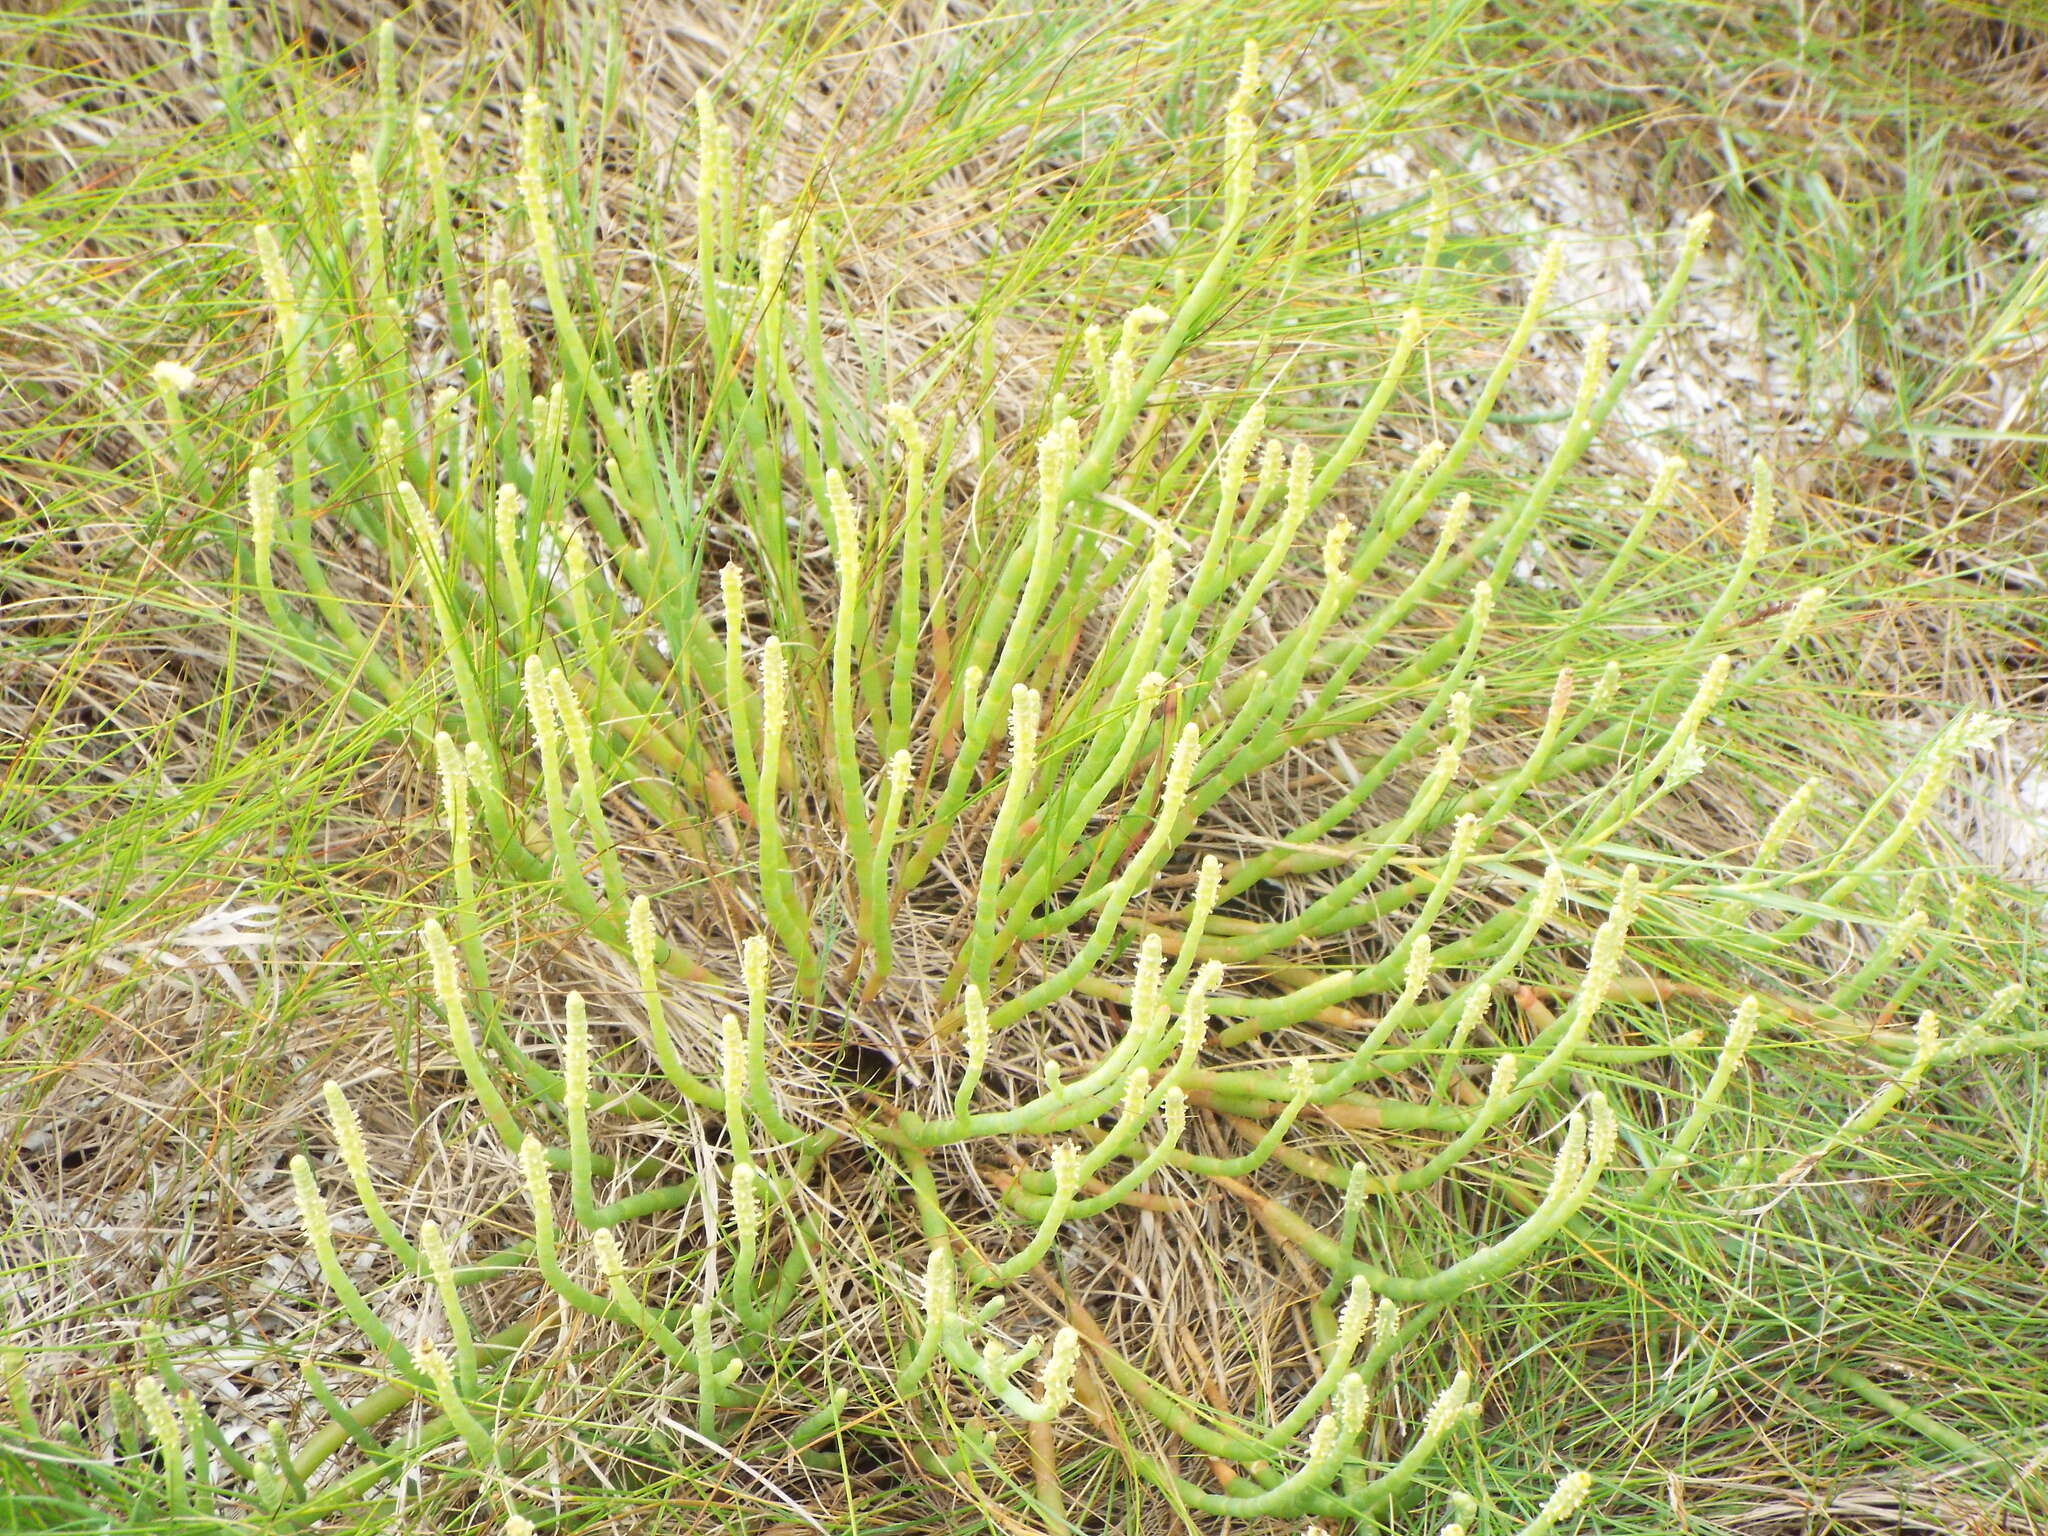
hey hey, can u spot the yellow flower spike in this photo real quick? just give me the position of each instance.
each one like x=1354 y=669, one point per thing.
x=1570 y=1159
x=1409 y=336
x=301 y=165
x=1592 y=373
x=476 y=764
x=540 y=708
x=1386 y=1324
x=775 y=240
x=387 y=64
x=1353 y=1406
x=845 y=527
x=1464 y=839
x=173 y=377
x=447 y=989
x=938 y=1281
x=1248 y=81
x=1237 y=453
x=1180 y=772
x=277 y=280
x=1697 y=228
x=1158 y=576
x=1453 y=525
x=970 y=687
x=440 y=1264
x=1704 y=698
x=1137 y=1088
x=441 y=422
x=1144 y=318
x=1355 y=1317
x=1502 y=1082
x=508 y=511
x=1763 y=511
x=159 y=1415
x=1602 y=1135
x=994 y=1357
x=1056 y=1380
x=1194 y=1020
x=1605 y=962
x=1066 y=1170
x=1324 y=1445
x=774 y=699
x=1123 y=378
x=1239 y=159
x=1605 y=689
x=348 y=1131
x=1301 y=1081
x=513 y=349
x=540 y=1194
x=1926 y=1046
x=369 y=206
x=1146 y=1001
x=975 y=1037
x=732 y=593
x=1055 y=465
x=1741 y=1031
x=1669 y=468
x=732 y=1065
x=313 y=1215
x=611 y=1263
x=1173 y=1110
x=754 y=970
x=1272 y=469
x=1741 y=1028
x=576 y=1057
x=1482 y=605
x=575 y=724
x=1449 y=1404
x=1334 y=543
x=454 y=788
x=1416 y=975
x=1024 y=711
x=1470 y=1015
x=1097 y=355
x=1461 y=716
x=1301 y=475
x=263 y=514
x=1565 y=1500
x=746 y=1202
x=1800 y=619
x=435 y=1364
x=532 y=179
x=1427 y=458
x=707 y=142
x=433 y=159
x=391 y=447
